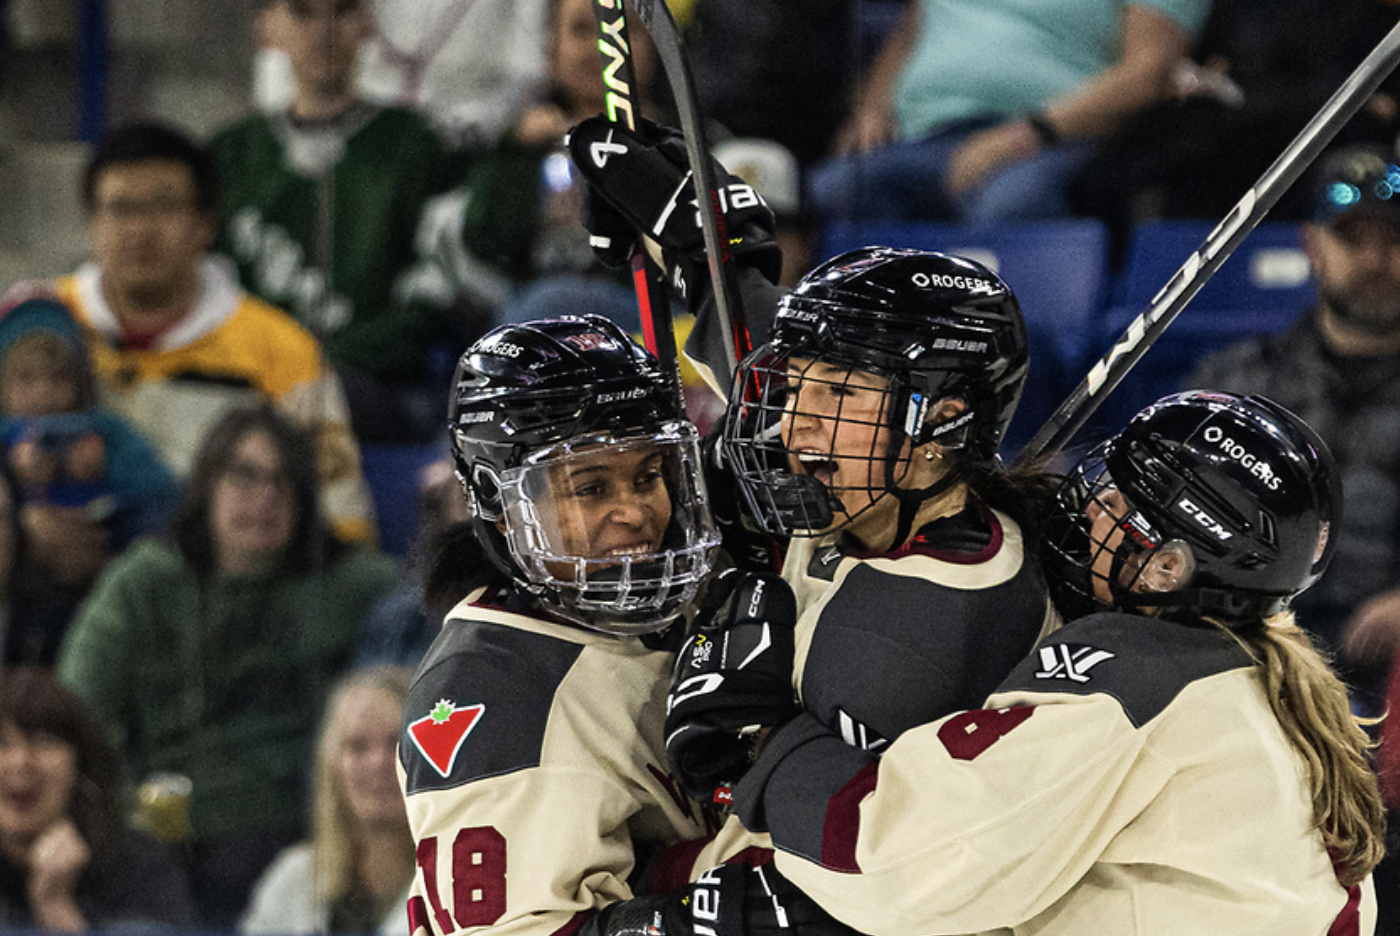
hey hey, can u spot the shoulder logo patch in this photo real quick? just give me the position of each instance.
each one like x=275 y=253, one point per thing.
x=1063 y=661
x=439 y=735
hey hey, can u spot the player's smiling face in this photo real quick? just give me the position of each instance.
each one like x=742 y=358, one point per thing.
x=613 y=503
x=835 y=428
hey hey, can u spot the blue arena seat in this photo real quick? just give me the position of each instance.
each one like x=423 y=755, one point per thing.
x=392 y=472
x=1267 y=270
x=1198 y=331
x=1059 y=271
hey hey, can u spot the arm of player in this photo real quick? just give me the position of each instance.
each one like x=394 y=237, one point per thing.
x=732 y=679
x=977 y=821
x=560 y=840
x=527 y=785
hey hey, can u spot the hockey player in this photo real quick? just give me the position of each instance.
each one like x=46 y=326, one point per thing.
x=865 y=429
x=1179 y=760
x=867 y=432
x=532 y=759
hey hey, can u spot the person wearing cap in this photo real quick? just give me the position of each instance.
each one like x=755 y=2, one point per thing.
x=1338 y=366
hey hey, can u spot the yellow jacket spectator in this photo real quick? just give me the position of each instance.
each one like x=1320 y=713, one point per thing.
x=175 y=341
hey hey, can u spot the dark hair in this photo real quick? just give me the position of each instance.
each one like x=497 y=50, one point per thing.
x=456 y=564
x=34 y=702
x=143 y=140
x=1024 y=492
x=311 y=543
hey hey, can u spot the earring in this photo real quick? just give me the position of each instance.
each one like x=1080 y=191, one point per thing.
x=932 y=454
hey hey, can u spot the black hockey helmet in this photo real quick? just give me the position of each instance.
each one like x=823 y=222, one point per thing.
x=1246 y=487
x=934 y=326
x=533 y=400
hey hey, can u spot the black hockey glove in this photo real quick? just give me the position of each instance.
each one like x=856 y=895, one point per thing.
x=731 y=900
x=733 y=678
x=640 y=182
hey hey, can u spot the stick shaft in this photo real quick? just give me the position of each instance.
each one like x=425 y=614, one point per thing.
x=1110 y=370
x=619 y=79
x=657 y=19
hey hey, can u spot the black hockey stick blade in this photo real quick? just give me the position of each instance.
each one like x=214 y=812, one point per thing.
x=661 y=25
x=621 y=104
x=1144 y=330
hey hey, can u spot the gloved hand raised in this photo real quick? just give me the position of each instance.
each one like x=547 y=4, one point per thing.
x=639 y=182
x=733 y=677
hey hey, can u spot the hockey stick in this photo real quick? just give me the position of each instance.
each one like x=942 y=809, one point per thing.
x=619 y=79
x=657 y=19
x=1110 y=370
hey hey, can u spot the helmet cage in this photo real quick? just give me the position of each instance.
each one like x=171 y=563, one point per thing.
x=931 y=326
x=1240 y=484
x=802 y=493
x=1075 y=560
x=627 y=594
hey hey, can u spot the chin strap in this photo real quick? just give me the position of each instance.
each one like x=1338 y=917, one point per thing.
x=911 y=500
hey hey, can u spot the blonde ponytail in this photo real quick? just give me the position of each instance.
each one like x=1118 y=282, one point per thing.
x=1311 y=704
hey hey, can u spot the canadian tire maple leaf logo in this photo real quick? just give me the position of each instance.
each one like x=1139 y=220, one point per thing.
x=439 y=734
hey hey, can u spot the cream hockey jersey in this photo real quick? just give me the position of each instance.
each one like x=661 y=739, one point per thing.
x=885 y=642
x=534 y=772
x=1129 y=777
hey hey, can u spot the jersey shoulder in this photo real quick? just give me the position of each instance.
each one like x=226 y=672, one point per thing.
x=1142 y=662
x=480 y=703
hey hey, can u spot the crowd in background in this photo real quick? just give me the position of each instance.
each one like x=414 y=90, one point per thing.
x=204 y=644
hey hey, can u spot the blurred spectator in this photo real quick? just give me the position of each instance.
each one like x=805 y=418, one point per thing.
x=209 y=655
x=524 y=197
x=782 y=70
x=1338 y=367
x=402 y=624
x=983 y=110
x=67 y=861
x=89 y=483
x=1267 y=67
x=353 y=874
x=174 y=341
x=321 y=202
x=466 y=64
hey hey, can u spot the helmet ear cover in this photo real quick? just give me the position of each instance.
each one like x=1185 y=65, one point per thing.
x=483 y=488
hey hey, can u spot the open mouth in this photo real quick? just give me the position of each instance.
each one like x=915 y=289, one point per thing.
x=818 y=466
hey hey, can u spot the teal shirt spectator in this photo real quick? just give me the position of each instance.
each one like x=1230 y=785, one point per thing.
x=958 y=68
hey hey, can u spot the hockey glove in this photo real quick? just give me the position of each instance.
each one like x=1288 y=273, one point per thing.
x=731 y=900
x=640 y=183
x=733 y=677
